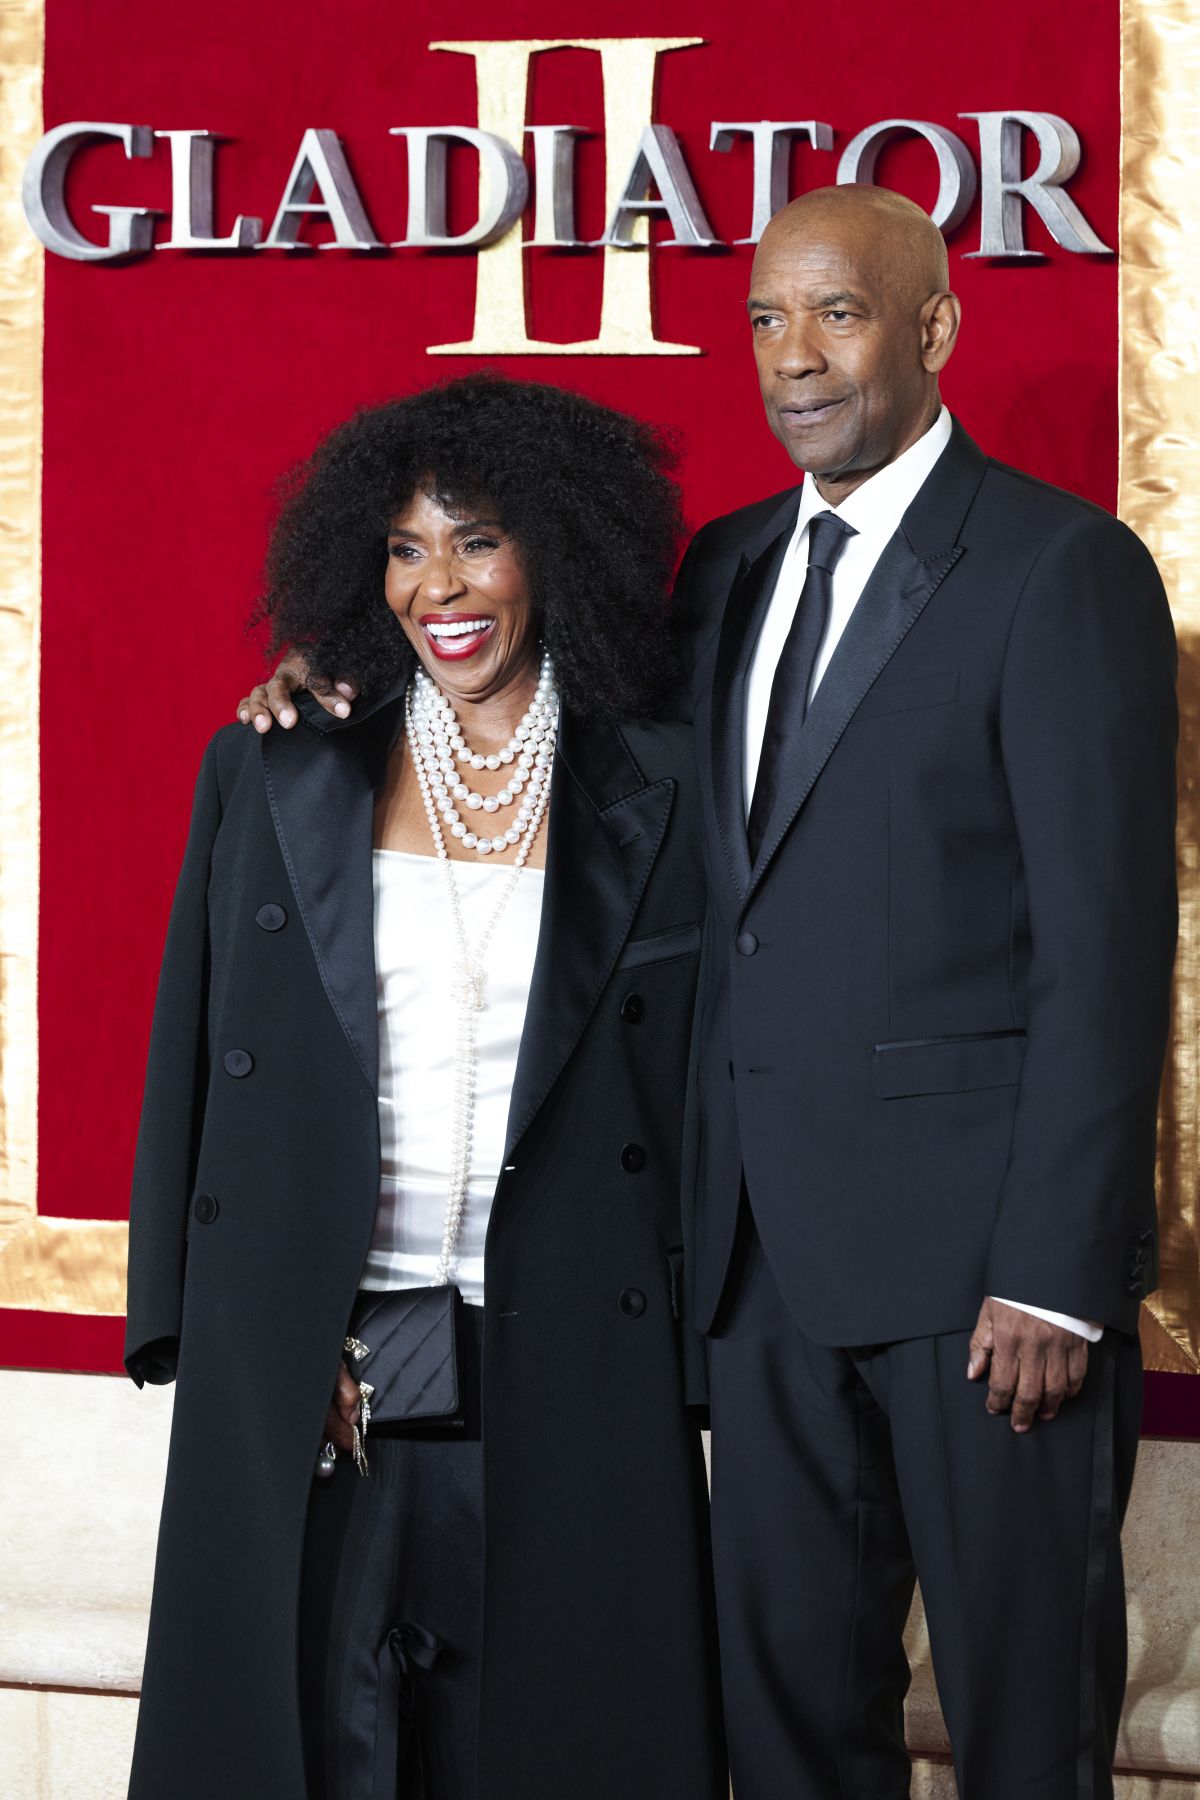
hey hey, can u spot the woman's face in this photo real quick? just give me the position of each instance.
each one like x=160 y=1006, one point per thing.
x=458 y=588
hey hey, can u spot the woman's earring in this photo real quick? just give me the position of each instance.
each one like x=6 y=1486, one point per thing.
x=325 y=1462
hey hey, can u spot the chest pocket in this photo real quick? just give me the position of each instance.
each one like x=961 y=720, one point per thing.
x=661 y=946
x=908 y=693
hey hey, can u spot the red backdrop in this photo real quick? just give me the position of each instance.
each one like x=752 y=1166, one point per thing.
x=178 y=386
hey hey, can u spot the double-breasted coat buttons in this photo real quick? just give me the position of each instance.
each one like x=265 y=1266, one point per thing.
x=205 y=1209
x=271 y=917
x=745 y=943
x=633 y=1009
x=632 y=1302
x=237 y=1063
x=633 y=1159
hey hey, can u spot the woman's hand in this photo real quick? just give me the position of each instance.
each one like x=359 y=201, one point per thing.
x=273 y=699
x=344 y=1410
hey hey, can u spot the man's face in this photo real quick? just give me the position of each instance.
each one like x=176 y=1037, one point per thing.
x=841 y=346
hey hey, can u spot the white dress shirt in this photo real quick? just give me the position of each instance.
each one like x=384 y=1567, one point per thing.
x=416 y=948
x=874 y=512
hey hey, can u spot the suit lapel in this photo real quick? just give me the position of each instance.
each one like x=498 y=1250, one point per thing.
x=900 y=587
x=605 y=828
x=321 y=784
x=745 y=610
x=910 y=571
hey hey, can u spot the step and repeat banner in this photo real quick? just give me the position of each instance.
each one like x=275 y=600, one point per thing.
x=223 y=228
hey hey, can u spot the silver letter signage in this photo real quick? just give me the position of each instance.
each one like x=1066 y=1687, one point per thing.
x=192 y=197
x=503 y=185
x=321 y=169
x=956 y=171
x=772 y=149
x=658 y=162
x=1003 y=189
x=130 y=228
x=553 y=185
x=646 y=176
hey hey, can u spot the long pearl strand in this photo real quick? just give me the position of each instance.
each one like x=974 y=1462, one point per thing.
x=442 y=745
x=470 y=975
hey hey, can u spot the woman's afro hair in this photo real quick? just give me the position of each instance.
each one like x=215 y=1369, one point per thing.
x=587 y=494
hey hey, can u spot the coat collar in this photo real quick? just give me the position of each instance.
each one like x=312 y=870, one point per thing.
x=321 y=781
x=606 y=823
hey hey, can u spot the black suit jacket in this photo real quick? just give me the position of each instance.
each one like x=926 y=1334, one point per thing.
x=255 y=1191
x=933 y=1014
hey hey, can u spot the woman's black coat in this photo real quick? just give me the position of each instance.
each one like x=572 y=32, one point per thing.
x=254 y=1199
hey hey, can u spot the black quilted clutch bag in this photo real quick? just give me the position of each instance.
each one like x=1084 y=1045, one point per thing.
x=403 y=1351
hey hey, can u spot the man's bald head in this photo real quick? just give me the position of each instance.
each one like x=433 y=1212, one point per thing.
x=853 y=320
x=893 y=234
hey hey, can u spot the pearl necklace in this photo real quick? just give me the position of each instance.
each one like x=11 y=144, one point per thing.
x=468 y=988
x=441 y=745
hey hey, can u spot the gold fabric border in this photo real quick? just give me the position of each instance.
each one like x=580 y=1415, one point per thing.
x=53 y=1265
x=66 y=1266
x=1159 y=496
x=21 y=267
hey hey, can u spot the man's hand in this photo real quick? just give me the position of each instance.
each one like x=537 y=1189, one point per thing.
x=343 y=1412
x=273 y=699
x=1034 y=1366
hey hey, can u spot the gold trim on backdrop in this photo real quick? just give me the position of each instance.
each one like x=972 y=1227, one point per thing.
x=1159 y=496
x=66 y=1266
x=52 y=1265
x=21 y=268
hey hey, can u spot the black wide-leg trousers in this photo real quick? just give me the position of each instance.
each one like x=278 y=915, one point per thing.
x=391 y=1612
x=839 y=1475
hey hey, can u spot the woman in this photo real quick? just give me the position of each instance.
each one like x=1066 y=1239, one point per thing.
x=423 y=1025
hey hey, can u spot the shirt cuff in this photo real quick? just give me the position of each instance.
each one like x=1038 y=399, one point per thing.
x=1083 y=1328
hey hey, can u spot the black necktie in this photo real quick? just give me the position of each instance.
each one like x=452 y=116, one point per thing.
x=827 y=537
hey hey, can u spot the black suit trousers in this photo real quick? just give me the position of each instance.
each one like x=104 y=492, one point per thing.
x=839 y=1476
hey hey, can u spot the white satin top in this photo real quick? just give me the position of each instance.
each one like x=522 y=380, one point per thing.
x=416 y=948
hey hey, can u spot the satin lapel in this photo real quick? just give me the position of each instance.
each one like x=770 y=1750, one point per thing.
x=605 y=828
x=892 y=601
x=744 y=612
x=321 y=787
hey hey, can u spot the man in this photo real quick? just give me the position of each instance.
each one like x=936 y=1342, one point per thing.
x=936 y=729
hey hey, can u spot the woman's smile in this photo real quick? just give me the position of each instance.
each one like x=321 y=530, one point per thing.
x=455 y=636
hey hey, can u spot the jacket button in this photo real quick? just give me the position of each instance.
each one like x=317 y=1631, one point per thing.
x=205 y=1209
x=271 y=917
x=633 y=1159
x=633 y=1009
x=238 y=1063
x=632 y=1303
x=746 y=943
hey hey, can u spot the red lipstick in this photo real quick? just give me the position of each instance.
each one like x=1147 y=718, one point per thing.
x=455 y=636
